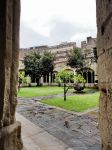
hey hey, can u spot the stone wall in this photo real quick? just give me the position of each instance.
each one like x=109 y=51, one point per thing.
x=60 y=51
x=104 y=45
x=88 y=52
x=10 y=130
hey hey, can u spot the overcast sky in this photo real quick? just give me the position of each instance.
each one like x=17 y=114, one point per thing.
x=50 y=22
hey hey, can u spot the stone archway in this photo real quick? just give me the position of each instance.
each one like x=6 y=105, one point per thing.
x=69 y=70
x=88 y=75
x=10 y=130
x=54 y=76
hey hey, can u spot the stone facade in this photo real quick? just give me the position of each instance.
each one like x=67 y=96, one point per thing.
x=104 y=45
x=61 y=51
x=89 y=48
x=10 y=130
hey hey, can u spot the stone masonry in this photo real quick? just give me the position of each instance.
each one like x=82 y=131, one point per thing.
x=60 y=51
x=10 y=130
x=104 y=45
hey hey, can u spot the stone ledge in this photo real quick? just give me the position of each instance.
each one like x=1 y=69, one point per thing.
x=10 y=137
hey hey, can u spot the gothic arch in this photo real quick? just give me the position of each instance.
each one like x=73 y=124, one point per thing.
x=88 y=75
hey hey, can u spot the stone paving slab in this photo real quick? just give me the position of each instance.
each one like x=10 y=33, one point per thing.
x=81 y=133
x=35 y=138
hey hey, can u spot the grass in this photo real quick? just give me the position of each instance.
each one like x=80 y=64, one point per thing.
x=77 y=103
x=39 y=91
x=45 y=91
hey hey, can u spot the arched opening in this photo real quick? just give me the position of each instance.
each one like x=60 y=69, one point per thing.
x=88 y=75
x=54 y=76
x=69 y=70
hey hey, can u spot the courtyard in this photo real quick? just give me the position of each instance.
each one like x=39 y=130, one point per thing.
x=10 y=129
x=77 y=128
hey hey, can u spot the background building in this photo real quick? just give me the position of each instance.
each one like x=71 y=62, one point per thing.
x=61 y=52
x=89 y=50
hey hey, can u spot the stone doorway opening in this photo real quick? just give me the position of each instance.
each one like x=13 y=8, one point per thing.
x=9 y=45
x=53 y=114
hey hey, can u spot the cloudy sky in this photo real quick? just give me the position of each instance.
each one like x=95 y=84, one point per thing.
x=50 y=22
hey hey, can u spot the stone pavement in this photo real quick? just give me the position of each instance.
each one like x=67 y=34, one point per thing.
x=35 y=138
x=79 y=132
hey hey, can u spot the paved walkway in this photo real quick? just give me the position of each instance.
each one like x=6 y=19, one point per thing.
x=35 y=138
x=78 y=132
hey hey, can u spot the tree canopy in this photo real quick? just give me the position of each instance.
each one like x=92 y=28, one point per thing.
x=37 y=65
x=78 y=78
x=47 y=63
x=65 y=76
x=76 y=59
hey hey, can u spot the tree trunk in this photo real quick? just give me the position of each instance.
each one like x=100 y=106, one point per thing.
x=64 y=92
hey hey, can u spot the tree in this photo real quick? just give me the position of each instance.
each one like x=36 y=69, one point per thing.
x=78 y=78
x=37 y=65
x=76 y=59
x=21 y=79
x=33 y=66
x=79 y=82
x=65 y=77
x=47 y=63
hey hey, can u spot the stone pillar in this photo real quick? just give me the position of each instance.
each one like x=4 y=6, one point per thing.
x=10 y=130
x=104 y=50
x=50 y=78
x=41 y=80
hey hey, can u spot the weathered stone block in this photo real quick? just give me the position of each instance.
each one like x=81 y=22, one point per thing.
x=10 y=131
x=10 y=137
x=104 y=47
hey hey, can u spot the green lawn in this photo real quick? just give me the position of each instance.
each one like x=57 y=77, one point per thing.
x=75 y=103
x=39 y=91
x=45 y=91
